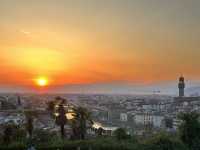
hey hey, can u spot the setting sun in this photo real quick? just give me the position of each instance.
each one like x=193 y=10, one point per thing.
x=42 y=81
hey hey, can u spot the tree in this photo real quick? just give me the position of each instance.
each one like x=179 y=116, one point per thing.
x=190 y=130
x=7 y=134
x=121 y=134
x=100 y=131
x=19 y=133
x=164 y=142
x=61 y=119
x=30 y=115
x=60 y=100
x=168 y=123
x=51 y=107
x=13 y=132
x=43 y=136
x=81 y=121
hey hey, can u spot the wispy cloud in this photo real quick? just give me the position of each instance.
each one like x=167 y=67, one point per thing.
x=25 y=32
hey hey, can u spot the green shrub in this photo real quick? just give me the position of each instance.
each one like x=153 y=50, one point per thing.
x=164 y=142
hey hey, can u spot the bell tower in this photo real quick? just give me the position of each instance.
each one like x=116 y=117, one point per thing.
x=181 y=86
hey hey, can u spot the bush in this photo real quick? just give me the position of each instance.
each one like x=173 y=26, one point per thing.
x=189 y=130
x=42 y=136
x=14 y=146
x=164 y=142
x=13 y=133
x=121 y=134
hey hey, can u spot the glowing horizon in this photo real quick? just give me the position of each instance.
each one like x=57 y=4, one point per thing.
x=87 y=42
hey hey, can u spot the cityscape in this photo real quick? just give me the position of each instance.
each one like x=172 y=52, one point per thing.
x=140 y=115
x=99 y=75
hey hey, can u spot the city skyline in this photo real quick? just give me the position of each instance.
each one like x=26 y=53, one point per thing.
x=99 y=74
x=131 y=42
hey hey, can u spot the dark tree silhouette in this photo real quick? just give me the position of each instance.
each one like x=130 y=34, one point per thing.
x=61 y=119
x=81 y=122
x=51 y=107
x=120 y=134
x=60 y=100
x=7 y=134
x=169 y=123
x=190 y=130
x=164 y=142
x=30 y=115
x=100 y=131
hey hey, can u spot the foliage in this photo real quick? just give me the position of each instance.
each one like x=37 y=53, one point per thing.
x=81 y=122
x=13 y=146
x=61 y=119
x=42 y=136
x=169 y=123
x=30 y=115
x=189 y=130
x=121 y=134
x=163 y=142
x=51 y=106
x=13 y=132
x=100 y=131
x=14 y=137
x=7 y=134
x=60 y=100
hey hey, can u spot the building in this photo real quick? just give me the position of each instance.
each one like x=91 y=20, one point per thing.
x=124 y=117
x=149 y=120
x=181 y=86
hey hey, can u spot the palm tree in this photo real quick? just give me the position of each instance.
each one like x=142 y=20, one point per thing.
x=51 y=107
x=30 y=115
x=61 y=119
x=82 y=118
x=60 y=100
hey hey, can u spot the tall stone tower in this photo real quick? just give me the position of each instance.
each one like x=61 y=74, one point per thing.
x=181 y=86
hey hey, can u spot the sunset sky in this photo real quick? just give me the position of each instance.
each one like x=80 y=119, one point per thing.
x=98 y=41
